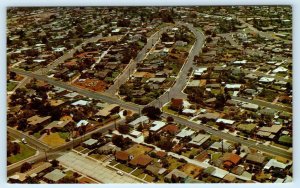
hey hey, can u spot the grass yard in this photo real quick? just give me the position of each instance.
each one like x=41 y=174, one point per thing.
x=124 y=168
x=149 y=178
x=53 y=140
x=216 y=156
x=113 y=163
x=174 y=163
x=137 y=172
x=11 y=85
x=64 y=135
x=37 y=135
x=193 y=151
x=97 y=156
x=25 y=152
x=79 y=148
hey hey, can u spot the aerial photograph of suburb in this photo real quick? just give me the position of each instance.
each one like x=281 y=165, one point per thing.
x=170 y=94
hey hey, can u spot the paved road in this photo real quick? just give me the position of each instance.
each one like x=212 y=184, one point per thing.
x=265 y=104
x=53 y=153
x=38 y=145
x=182 y=78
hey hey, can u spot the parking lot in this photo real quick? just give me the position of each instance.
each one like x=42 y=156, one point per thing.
x=93 y=169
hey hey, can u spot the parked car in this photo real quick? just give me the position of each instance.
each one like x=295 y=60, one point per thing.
x=24 y=141
x=120 y=173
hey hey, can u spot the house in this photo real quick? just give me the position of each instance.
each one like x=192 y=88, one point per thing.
x=242 y=62
x=176 y=176
x=80 y=103
x=176 y=104
x=141 y=160
x=108 y=148
x=108 y=110
x=199 y=140
x=122 y=156
x=136 y=134
x=209 y=116
x=158 y=125
x=275 y=164
x=82 y=123
x=189 y=112
x=266 y=80
x=90 y=143
x=37 y=120
x=255 y=158
x=170 y=129
x=230 y=159
x=161 y=154
x=250 y=106
x=280 y=70
x=185 y=133
x=233 y=86
x=198 y=72
x=155 y=170
x=54 y=176
x=225 y=121
x=217 y=146
x=139 y=121
x=57 y=124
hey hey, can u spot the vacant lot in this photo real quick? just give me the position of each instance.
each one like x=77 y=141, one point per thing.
x=11 y=85
x=92 y=84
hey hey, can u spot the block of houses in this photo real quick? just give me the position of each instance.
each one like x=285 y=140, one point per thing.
x=139 y=121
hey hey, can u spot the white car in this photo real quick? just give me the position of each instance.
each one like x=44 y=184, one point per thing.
x=120 y=173
x=24 y=141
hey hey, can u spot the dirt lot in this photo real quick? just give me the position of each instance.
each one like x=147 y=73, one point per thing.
x=92 y=84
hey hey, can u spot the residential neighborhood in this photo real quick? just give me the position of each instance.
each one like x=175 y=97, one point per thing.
x=100 y=95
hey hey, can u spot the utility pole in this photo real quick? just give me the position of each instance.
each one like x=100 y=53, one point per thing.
x=222 y=147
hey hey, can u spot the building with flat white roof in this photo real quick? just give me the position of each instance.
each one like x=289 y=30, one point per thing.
x=157 y=125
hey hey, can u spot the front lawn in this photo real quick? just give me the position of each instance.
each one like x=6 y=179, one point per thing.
x=11 y=85
x=25 y=152
x=124 y=168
